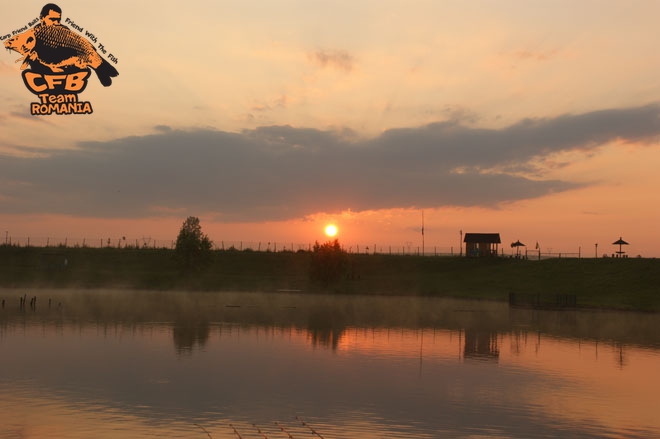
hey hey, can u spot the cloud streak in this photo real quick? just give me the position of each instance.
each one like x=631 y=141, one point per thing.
x=282 y=172
x=338 y=59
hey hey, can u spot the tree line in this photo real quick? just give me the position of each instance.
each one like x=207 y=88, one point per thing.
x=194 y=252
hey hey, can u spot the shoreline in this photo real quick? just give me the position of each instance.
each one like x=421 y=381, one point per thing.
x=620 y=284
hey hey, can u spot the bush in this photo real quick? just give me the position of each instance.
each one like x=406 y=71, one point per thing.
x=329 y=262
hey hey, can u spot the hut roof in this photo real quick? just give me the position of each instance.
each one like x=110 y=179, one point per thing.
x=491 y=238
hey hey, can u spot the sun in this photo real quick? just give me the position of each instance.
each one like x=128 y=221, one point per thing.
x=331 y=230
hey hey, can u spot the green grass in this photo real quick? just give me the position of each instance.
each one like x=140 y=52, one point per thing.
x=608 y=283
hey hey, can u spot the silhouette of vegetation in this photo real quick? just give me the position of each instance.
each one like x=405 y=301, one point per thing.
x=193 y=247
x=188 y=334
x=329 y=262
x=622 y=283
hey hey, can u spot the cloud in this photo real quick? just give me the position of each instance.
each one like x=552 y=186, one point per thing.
x=280 y=102
x=536 y=55
x=21 y=115
x=339 y=59
x=6 y=69
x=163 y=128
x=283 y=172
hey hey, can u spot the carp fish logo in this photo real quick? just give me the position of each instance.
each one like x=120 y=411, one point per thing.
x=57 y=62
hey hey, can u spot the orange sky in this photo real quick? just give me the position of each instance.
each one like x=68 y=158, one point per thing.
x=521 y=119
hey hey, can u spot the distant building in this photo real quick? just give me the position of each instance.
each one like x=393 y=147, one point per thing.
x=481 y=244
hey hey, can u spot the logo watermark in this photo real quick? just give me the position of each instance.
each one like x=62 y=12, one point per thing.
x=57 y=60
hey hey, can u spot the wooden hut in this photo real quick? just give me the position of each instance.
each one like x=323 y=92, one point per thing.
x=481 y=244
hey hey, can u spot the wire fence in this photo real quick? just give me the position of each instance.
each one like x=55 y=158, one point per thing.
x=262 y=246
x=278 y=246
x=537 y=255
x=73 y=242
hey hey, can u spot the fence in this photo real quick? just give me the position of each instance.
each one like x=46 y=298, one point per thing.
x=270 y=246
x=266 y=246
x=68 y=242
x=537 y=255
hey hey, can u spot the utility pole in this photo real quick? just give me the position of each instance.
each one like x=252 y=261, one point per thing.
x=422 y=233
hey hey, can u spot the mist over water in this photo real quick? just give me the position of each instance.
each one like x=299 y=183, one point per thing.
x=175 y=364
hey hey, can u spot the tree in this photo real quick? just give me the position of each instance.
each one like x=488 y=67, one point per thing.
x=193 y=248
x=329 y=262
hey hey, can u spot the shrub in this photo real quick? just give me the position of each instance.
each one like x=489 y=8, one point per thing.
x=329 y=262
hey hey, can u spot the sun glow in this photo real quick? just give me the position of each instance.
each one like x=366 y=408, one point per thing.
x=331 y=230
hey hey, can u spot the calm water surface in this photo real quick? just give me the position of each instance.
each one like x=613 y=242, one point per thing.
x=118 y=364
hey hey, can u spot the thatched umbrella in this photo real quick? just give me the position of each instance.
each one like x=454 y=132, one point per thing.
x=620 y=242
x=517 y=244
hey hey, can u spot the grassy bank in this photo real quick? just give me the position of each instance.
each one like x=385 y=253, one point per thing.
x=609 y=283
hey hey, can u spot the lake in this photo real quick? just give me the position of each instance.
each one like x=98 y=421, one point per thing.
x=126 y=364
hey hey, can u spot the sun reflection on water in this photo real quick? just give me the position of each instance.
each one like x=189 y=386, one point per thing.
x=478 y=371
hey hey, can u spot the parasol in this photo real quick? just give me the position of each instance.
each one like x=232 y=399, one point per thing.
x=620 y=242
x=517 y=244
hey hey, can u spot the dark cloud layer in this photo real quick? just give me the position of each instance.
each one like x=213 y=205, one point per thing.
x=281 y=172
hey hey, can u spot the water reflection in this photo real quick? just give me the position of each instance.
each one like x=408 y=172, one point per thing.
x=481 y=345
x=187 y=335
x=120 y=364
x=190 y=315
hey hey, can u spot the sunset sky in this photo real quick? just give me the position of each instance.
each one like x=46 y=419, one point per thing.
x=268 y=120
